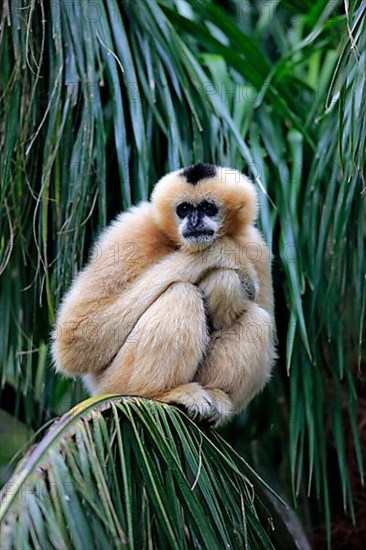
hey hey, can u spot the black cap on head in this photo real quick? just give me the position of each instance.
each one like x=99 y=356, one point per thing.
x=198 y=172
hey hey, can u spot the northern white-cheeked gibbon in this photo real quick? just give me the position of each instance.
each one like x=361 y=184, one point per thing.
x=176 y=302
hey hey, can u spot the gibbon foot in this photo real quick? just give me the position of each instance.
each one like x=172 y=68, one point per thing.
x=195 y=401
x=206 y=406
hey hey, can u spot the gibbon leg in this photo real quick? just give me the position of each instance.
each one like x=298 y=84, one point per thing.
x=161 y=356
x=239 y=361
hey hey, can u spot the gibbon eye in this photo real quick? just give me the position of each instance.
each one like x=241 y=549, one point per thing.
x=183 y=209
x=208 y=208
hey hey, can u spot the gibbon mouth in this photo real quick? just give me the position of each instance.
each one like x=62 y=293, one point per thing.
x=196 y=233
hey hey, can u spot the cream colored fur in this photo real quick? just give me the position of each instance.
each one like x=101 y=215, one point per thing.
x=134 y=319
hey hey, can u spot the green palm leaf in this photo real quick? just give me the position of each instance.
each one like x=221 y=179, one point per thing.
x=127 y=472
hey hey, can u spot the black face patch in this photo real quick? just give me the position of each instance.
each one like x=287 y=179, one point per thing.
x=183 y=209
x=198 y=172
x=208 y=208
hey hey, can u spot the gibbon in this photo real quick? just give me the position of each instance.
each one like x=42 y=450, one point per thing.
x=176 y=301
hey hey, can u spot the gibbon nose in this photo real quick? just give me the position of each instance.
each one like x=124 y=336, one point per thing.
x=194 y=219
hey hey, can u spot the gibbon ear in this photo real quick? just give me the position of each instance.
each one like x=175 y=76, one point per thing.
x=164 y=194
x=249 y=197
x=239 y=197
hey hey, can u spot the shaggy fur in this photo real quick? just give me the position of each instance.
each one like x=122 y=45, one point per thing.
x=135 y=318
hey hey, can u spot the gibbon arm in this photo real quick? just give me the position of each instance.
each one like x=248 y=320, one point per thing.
x=227 y=292
x=240 y=357
x=105 y=301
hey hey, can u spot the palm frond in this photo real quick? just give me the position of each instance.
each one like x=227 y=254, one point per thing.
x=131 y=472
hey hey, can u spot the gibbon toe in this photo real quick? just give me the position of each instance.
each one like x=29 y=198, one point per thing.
x=224 y=406
x=196 y=402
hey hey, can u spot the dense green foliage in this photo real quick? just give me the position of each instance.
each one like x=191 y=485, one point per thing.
x=98 y=100
x=131 y=473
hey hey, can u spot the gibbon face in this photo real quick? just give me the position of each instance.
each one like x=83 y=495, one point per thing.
x=198 y=223
x=196 y=205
